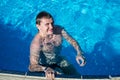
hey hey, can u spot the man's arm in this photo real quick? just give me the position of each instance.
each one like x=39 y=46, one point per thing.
x=72 y=42
x=34 y=55
x=35 y=49
x=79 y=56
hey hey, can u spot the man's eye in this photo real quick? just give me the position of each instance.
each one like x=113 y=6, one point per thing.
x=47 y=24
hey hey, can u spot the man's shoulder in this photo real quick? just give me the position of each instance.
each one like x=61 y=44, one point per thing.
x=36 y=37
x=57 y=29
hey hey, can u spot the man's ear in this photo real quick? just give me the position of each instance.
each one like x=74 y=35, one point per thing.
x=38 y=26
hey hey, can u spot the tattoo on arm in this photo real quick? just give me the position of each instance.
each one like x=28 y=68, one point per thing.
x=34 y=56
x=72 y=41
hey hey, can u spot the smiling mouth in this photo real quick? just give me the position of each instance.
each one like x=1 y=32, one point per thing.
x=51 y=30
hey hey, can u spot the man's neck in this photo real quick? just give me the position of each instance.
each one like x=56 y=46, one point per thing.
x=43 y=35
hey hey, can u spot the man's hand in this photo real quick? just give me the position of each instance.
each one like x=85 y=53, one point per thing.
x=49 y=74
x=35 y=67
x=80 y=60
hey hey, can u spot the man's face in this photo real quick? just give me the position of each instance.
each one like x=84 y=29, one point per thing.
x=46 y=26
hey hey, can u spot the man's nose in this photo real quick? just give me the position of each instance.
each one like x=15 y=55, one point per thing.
x=51 y=26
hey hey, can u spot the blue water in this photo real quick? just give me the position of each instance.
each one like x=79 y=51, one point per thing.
x=95 y=24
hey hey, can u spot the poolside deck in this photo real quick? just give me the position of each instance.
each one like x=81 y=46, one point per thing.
x=9 y=76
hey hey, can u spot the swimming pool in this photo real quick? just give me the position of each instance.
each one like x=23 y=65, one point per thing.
x=95 y=24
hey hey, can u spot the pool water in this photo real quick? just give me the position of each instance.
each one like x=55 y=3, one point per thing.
x=95 y=24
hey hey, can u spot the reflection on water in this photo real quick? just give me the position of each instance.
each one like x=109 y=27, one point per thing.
x=94 y=24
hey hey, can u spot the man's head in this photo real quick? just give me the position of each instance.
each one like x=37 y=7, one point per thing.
x=44 y=23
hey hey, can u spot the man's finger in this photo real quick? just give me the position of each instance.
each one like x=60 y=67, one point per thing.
x=80 y=61
x=50 y=75
x=47 y=75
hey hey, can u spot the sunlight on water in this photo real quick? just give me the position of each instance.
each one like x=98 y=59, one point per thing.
x=95 y=24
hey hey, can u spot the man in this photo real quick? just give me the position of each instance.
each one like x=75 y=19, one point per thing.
x=46 y=45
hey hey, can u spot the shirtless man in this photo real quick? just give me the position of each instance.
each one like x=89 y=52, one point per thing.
x=46 y=46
